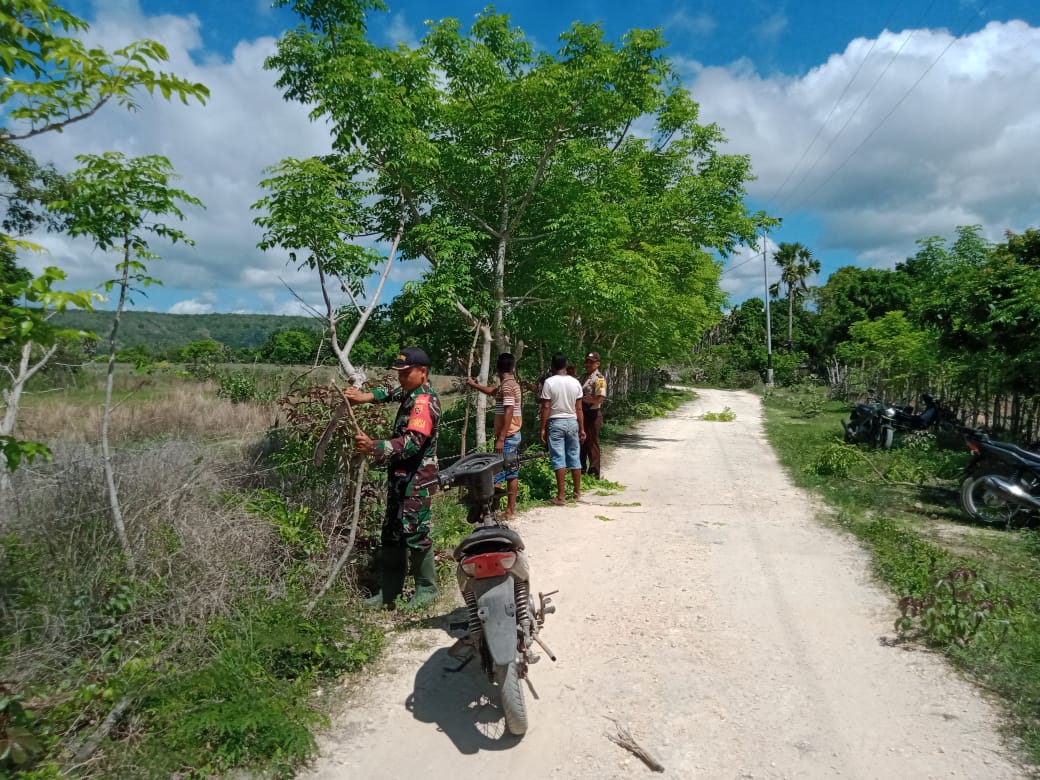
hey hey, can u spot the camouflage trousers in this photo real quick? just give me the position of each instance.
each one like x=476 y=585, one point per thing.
x=407 y=519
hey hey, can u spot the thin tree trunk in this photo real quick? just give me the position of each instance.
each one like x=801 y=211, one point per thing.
x=106 y=453
x=13 y=398
x=469 y=373
x=790 y=318
x=355 y=517
x=342 y=353
x=500 y=283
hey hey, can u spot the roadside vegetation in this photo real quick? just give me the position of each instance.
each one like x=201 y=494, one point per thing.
x=213 y=654
x=966 y=590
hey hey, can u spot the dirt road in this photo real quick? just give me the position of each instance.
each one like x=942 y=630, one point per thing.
x=707 y=611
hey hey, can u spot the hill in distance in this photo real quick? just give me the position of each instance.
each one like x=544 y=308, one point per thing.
x=171 y=331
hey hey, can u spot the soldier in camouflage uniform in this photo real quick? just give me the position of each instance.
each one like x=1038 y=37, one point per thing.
x=411 y=460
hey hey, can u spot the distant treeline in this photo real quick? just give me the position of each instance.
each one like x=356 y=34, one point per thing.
x=160 y=333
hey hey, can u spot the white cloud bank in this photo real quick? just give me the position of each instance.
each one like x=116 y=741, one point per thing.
x=956 y=150
x=944 y=135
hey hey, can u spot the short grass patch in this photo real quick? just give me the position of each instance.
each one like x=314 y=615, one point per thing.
x=968 y=591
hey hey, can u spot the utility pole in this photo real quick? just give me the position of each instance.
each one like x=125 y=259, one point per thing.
x=769 y=328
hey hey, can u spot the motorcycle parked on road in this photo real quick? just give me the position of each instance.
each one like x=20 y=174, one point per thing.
x=1001 y=483
x=876 y=423
x=493 y=573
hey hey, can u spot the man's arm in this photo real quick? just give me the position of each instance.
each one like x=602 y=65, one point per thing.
x=545 y=419
x=485 y=389
x=581 y=419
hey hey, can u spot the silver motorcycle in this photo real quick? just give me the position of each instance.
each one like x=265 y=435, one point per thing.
x=503 y=625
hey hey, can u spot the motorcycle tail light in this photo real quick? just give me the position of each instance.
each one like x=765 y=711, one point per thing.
x=973 y=446
x=489 y=564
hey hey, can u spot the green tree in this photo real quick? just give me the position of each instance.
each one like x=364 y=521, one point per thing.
x=291 y=347
x=26 y=307
x=796 y=264
x=49 y=81
x=317 y=210
x=120 y=203
x=203 y=354
x=852 y=294
x=895 y=356
x=493 y=147
x=53 y=80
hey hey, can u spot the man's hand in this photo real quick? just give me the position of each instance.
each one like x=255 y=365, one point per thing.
x=356 y=396
x=581 y=435
x=545 y=437
x=500 y=445
x=363 y=444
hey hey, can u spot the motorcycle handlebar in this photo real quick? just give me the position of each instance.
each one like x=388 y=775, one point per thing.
x=478 y=461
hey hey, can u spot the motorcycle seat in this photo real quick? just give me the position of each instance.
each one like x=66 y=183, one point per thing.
x=1007 y=451
x=496 y=536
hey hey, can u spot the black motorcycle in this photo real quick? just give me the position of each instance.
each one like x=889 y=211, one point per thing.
x=1001 y=483
x=876 y=423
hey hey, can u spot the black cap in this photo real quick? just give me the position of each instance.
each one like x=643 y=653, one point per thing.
x=411 y=356
x=592 y=356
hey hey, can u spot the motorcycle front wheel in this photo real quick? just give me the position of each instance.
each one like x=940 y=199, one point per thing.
x=886 y=437
x=982 y=504
x=512 y=695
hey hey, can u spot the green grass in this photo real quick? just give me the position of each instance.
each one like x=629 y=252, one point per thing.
x=903 y=505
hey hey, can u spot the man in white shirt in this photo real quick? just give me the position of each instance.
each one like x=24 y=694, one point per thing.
x=563 y=427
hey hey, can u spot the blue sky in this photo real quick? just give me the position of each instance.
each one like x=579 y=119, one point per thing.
x=869 y=125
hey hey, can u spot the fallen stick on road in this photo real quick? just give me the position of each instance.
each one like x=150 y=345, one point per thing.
x=625 y=740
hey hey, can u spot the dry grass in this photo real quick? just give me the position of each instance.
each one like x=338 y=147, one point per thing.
x=177 y=410
x=200 y=551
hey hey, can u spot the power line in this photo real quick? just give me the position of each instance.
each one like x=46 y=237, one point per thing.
x=837 y=102
x=891 y=111
x=855 y=111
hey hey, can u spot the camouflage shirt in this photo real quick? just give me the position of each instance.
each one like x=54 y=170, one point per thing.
x=412 y=452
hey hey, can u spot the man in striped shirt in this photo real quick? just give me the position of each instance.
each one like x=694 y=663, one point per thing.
x=507 y=421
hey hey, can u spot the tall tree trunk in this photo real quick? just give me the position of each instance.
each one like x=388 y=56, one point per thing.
x=485 y=370
x=790 y=318
x=500 y=283
x=106 y=453
x=355 y=375
x=469 y=394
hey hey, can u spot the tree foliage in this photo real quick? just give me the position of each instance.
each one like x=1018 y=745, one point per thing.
x=543 y=217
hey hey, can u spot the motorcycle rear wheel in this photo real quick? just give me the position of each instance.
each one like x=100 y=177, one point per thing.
x=513 y=706
x=982 y=504
x=886 y=436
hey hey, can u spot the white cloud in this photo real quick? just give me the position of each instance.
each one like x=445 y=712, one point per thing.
x=219 y=150
x=959 y=149
x=193 y=306
x=683 y=21
x=399 y=31
x=772 y=27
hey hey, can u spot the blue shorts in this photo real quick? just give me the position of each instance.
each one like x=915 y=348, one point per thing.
x=564 y=443
x=511 y=444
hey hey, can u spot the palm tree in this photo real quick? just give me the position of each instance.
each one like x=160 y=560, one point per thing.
x=796 y=265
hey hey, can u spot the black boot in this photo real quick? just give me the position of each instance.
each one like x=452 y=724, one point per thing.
x=424 y=569
x=394 y=563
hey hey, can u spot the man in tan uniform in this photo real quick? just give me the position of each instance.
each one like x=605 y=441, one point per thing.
x=593 y=394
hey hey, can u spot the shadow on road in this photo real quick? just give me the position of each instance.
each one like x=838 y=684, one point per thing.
x=638 y=441
x=462 y=703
